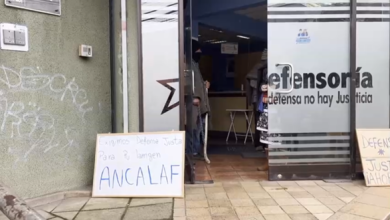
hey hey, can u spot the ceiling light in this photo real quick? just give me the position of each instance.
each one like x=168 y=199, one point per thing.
x=219 y=42
x=240 y=36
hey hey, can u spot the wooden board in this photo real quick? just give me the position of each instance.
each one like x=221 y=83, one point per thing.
x=374 y=147
x=139 y=165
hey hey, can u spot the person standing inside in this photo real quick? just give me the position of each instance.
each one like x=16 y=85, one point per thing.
x=201 y=104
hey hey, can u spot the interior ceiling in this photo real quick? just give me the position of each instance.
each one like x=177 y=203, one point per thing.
x=258 y=13
x=210 y=35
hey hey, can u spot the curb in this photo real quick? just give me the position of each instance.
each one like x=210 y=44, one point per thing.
x=50 y=198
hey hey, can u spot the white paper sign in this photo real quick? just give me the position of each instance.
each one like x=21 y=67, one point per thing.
x=229 y=48
x=374 y=147
x=139 y=165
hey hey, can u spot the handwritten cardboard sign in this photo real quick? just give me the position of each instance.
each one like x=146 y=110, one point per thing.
x=139 y=165
x=374 y=146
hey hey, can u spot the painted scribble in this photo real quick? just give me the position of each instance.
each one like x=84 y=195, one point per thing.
x=30 y=124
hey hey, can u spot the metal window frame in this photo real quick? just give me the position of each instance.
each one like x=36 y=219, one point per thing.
x=352 y=88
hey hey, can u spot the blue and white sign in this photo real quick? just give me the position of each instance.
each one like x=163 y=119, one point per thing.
x=303 y=37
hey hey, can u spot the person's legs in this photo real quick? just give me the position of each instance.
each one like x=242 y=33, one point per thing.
x=199 y=137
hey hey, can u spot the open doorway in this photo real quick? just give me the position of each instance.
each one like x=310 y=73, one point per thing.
x=283 y=53
x=233 y=44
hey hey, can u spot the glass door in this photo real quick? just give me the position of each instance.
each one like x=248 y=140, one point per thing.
x=372 y=58
x=309 y=90
x=187 y=86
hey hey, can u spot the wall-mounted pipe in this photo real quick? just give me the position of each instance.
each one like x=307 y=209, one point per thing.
x=15 y=208
x=124 y=67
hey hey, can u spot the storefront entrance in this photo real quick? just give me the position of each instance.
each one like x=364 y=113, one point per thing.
x=326 y=74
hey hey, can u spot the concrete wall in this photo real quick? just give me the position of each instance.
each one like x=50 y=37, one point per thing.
x=52 y=102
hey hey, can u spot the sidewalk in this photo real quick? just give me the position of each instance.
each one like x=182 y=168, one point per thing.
x=294 y=200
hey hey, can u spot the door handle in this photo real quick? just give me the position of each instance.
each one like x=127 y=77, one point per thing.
x=292 y=77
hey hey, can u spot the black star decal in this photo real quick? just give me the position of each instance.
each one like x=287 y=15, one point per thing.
x=165 y=82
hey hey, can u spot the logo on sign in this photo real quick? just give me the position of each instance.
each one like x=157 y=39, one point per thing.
x=303 y=37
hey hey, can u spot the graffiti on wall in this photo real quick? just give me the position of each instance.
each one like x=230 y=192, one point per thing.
x=33 y=128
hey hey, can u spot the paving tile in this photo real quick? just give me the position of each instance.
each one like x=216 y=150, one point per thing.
x=323 y=216
x=45 y=214
x=197 y=204
x=228 y=217
x=274 y=188
x=249 y=184
x=181 y=212
x=270 y=210
x=287 y=183
x=231 y=184
x=286 y=201
x=71 y=204
x=335 y=208
x=306 y=183
x=197 y=212
x=215 y=184
x=222 y=211
x=179 y=218
x=322 y=183
x=347 y=199
x=234 y=189
x=66 y=215
x=263 y=195
x=198 y=190
x=149 y=212
x=219 y=203
x=322 y=194
x=193 y=197
x=295 y=209
x=318 y=209
x=303 y=194
x=365 y=210
x=269 y=183
x=343 y=194
x=104 y=203
x=49 y=207
x=280 y=195
x=302 y=217
x=254 y=189
x=242 y=202
x=295 y=189
x=149 y=201
x=253 y=217
x=247 y=211
x=379 y=191
x=101 y=214
x=373 y=200
x=330 y=201
x=264 y=202
x=333 y=188
x=214 y=190
x=277 y=217
x=217 y=196
x=346 y=216
x=308 y=201
x=238 y=196
x=56 y=218
x=199 y=218
x=313 y=188
x=187 y=186
x=179 y=203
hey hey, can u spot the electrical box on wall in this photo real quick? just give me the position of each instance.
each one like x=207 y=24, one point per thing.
x=85 y=51
x=13 y=37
